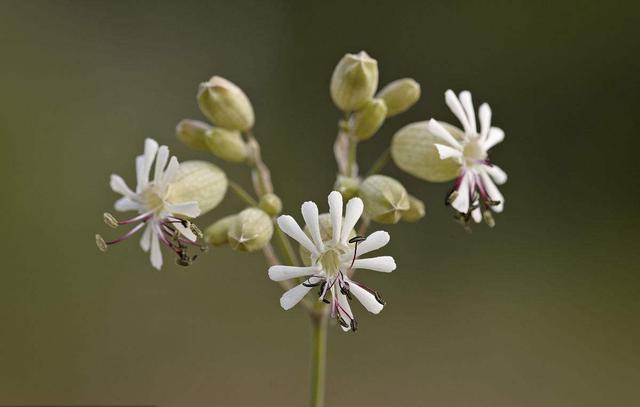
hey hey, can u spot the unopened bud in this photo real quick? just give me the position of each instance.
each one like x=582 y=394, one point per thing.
x=400 y=95
x=216 y=234
x=251 y=230
x=347 y=186
x=193 y=133
x=110 y=220
x=271 y=204
x=199 y=181
x=225 y=104
x=416 y=210
x=354 y=81
x=384 y=199
x=413 y=150
x=326 y=234
x=227 y=144
x=369 y=119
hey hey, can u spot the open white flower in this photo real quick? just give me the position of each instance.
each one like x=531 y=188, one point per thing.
x=475 y=191
x=164 y=221
x=332 y=260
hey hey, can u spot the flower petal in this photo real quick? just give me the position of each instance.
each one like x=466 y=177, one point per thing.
x=353 y=213
x=118 y=185
x=374 y=241
x=439 y=131
x=461 y=203
x=281 y=273
x=310 y=215
x=367 y=299
x=344 y=309
x=289 y=226
x=126 y=204
x=498 y=175
x=190 y=209
x=290 y=298
x=156 y=254
x=455 y=106
x=496 y=135
x=485 y=120
x=493 y=192
x=186 y=232
x=145 y=242
x=447 y=152
x=467 y=104
x=171 y=171
x=477 y=215
x=335 y=210
x=161 y=162
x=385 y=264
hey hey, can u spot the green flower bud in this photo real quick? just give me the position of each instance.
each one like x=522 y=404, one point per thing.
x=354 y=81
x=251 y=230
x=415 y=212
x=225 y=104
x=413 y=151
x=400 y=95
x=369 y=119
x=216 y=234
x=326 y=233
x=199 y=181
x=347 y=186
x=227 y=144
x=271 y=204
x=193 y=133
x=384 y=198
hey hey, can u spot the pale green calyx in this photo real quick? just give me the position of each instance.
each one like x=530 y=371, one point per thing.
x=271 y=204
x=384 y=199
x=193 y=133
x=225 y=104
x=354 y=81
x=216 y=234
x=227 y=145
x=413 y=150
x=368 y=120
x=415 y=212
x=347 y=186
x=251 y=230
x=400 y=95
x=199 y=181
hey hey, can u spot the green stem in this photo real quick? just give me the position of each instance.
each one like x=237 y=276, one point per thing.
x=318 y=359
x=380 y=162
x=242 y=194
x=351 y=157
x=285 y=246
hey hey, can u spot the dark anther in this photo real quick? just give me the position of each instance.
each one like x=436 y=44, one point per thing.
x=306 y=284
x=492 y=203
x=326 y=301
x=379 y=298
x=354 y=325
x=322 y=284
x=342 y=321
x=450 y=197
x=357 y=239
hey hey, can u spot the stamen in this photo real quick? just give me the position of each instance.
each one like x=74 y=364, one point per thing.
x=451 y=197
x=354 y=325
x=356 y=240
x=110 y=220
x=196 y=231
x=102 y=245
x=488 y=218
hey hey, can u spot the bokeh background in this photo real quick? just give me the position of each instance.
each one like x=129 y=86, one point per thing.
x=540 y=311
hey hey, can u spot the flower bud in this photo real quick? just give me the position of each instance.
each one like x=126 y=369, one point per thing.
x=193 y=133
x=354 y=81
x=369 y=119
x=347 y=186
x=271 y=204
x=199 y=181
x=225 y=104
x=413 y=150
x=227 y=144
x=415 y=212
x=326 y=234
x=251 y=230
x=384 y=198
x=216 y=234
x=400 y=95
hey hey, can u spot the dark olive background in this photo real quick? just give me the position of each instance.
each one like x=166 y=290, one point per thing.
x=540 y=311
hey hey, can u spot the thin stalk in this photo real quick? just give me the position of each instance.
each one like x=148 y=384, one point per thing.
x=285 y=246
x=380 y=162
x=352 y=156
x=242 y=194
x=318 y=359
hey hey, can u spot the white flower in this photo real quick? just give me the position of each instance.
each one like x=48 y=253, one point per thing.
x=166 y=221
x=333 y=259
x=475 y=191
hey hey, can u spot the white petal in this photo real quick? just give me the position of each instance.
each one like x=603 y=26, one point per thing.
x=186 y=232
x=190 y=209
x=142 y=181
x=496 y=135
x=335 y=210
x=439 y=131
x=161 y=162
x=345 y=310
x=467 y=104
x=281 y=273
x=289 y=226
x=118 y=185
x=143 y=169
x=477 y=215
x=156 y=254
x=145 y=242
x=374 y=241
x=493 y=192
x=485 y=120
x=455 y=106
x=290 y=298
x=367 y=299
x=126 y=204
x=447 y=152
x=310 y=215
x=353 y=213
x=498 y=175
x=461 y=203
x=171 y=171
x=385 y=264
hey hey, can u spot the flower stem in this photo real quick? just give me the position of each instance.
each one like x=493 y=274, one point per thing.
x=285 y=246
x=242 y=194
x=318 y=359
x=380 y=162
x=351 y=157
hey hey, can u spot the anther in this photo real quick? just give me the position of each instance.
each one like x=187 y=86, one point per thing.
x=379 y=298
x=357 y=239
x=450 y=198
x=488 y=218
x=342 y=322
x=110 y=220
x=196 y=230
x=492 y=203
x=354 y=325
x=306 y=284
x=102 y=245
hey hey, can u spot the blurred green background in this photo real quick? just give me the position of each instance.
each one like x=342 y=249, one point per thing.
x=540 y=311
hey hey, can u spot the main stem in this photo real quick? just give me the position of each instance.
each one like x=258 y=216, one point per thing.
x=318 y=359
